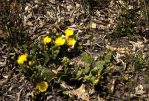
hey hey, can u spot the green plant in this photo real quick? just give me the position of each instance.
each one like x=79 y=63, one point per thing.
x=39 y=62
x=139 y=61
x=129 y=20
x=93 y=74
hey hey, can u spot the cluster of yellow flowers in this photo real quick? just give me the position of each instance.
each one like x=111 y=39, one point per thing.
x=22 y=58
x=65 y=39
x=62 y=40
x=58 y=42
x=42 y=86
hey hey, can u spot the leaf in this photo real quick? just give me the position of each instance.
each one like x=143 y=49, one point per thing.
x=46 y=73
x=119 y=50
x=79 y=74
x=87 y=69
x=139 y=90
x=47 y=58
x=94 y=80
x=94 y=71
x=137 y=45
x=88 y=77
x=81 y=93
x=100 y=67
x=108 y=57
x=56 y=71
x=86 y=58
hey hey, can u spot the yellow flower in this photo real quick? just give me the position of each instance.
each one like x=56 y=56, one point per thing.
x=68 y=33
x=59 y=41
x=22 y=58
x=71 y=42
x=42 y=86
x=46 y=40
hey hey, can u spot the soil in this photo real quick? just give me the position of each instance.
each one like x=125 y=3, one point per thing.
x=94 y=21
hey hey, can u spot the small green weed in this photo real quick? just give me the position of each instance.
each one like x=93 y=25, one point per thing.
x=93 y=74
x=128 y=21
x=137 y=61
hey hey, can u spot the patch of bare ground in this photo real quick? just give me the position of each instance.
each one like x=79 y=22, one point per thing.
x=95 y=20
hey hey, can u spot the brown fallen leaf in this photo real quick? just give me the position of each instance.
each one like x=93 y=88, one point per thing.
x=2 y=34
x=137 y=45
x=19 y=95
x=57 y=70
x=81 y=93
x=6 y=79
x=139 y=90
x=100 y=99
x=119 y=50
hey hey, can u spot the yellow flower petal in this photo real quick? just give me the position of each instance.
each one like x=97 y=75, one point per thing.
x=68 y=33
x=42 y=86
x=46 y=40
x=59 y=41
x=71 y=42
x=22 y=58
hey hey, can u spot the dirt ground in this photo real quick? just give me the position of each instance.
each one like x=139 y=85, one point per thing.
x=95 y=21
